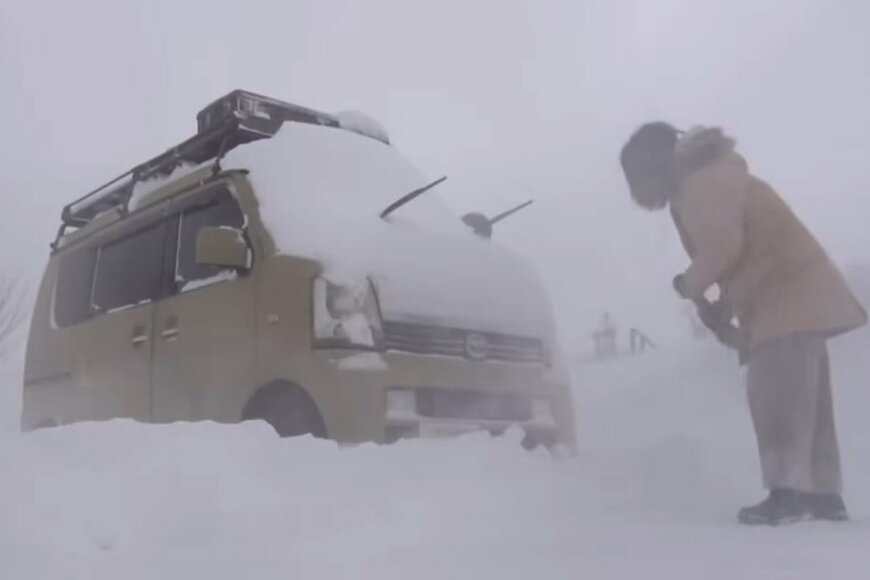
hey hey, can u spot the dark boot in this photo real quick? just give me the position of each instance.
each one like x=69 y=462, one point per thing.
x=782 y=506
x=826 y=506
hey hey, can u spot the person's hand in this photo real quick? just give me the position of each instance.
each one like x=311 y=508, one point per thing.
x=717 y=317
x=714 y=315
x=732 y=337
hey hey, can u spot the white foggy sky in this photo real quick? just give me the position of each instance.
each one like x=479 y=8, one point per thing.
x=510 y=98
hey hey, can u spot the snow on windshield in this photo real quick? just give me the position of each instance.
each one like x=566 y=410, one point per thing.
x=341 y=173
x=321 y=191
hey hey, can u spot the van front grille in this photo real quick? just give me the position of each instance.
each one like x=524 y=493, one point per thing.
x=435 y=340
x=471 y=405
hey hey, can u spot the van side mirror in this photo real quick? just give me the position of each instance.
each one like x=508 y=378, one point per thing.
x=222 y=246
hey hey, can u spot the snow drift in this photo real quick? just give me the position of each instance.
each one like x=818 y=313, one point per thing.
x=666 y=458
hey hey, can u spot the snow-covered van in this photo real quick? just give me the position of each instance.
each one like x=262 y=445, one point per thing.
x=292 y=266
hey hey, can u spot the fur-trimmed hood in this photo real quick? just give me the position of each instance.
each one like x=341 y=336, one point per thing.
x=699 y=147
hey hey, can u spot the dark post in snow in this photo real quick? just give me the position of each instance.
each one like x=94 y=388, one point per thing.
x=605 y=339
x=639 y=342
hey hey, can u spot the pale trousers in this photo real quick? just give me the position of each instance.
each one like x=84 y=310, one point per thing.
x=789 y=387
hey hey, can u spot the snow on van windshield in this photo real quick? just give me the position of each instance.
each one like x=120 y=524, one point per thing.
x=321 y=191
x=339 y=173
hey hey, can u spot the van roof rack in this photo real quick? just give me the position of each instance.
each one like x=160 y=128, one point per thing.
x=236 y=118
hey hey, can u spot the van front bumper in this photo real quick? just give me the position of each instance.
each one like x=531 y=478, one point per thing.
x=431 y=413
x=425 y=396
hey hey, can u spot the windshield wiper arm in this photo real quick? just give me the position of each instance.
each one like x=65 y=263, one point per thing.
x=482 y=225
x=510 y=212
x=409 y=197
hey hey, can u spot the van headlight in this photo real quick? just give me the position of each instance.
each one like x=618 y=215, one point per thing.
x=346 y=315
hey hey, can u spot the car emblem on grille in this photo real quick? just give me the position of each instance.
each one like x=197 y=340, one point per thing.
x=476 y=346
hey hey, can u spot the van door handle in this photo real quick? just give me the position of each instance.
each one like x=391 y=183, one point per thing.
x=170 y=329
x=140 y=336
x=170 y=333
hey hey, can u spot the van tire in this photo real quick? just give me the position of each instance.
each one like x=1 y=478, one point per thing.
x=288 y=409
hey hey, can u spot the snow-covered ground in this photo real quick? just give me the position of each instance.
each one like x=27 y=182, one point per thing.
x=666 y=457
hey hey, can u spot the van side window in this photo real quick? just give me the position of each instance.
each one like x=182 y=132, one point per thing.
x=75 y=279
x=220 y=208
x=128 y=270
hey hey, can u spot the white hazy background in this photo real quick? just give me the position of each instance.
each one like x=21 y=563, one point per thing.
x=511 y=99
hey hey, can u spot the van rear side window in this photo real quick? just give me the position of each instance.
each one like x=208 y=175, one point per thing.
x=129 y=270
x=72 y=303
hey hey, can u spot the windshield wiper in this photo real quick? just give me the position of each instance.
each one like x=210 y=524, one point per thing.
x=510 y=212
x=409 y=197
x=482 y=225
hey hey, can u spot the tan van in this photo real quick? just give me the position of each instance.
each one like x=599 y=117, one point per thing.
x=288 y=265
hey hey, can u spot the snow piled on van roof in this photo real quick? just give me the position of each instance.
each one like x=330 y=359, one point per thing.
x=666 y=457
x=359 y=122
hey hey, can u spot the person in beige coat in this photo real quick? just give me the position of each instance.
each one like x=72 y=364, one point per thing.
x=780 y=299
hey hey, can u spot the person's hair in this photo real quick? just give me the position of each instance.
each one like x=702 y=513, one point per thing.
x=649 y=163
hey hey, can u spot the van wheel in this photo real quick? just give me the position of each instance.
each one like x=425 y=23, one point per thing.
x=288 y=409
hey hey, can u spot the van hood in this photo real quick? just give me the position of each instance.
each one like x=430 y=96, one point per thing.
x=467 y=287
x=320 y=192
x=465 y=283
